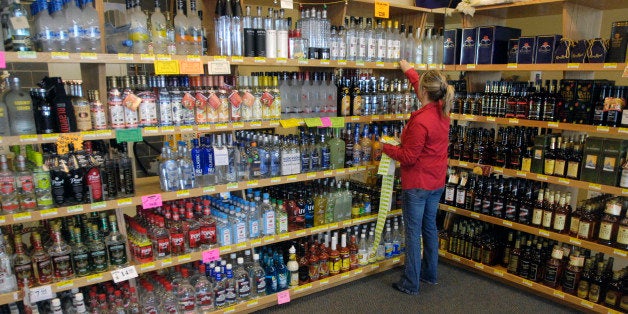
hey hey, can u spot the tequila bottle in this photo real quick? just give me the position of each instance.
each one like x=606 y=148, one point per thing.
x=80 y=254
x=97 y=250
x=116 y=245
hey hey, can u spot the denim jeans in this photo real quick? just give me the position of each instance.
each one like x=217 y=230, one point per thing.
x=419 y=215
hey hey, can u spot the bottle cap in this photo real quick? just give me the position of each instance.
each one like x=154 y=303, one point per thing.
x=240 y=260
x=56 y=302
x=292 y=250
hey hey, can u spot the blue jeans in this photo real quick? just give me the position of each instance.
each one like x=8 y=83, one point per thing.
x=419 y=215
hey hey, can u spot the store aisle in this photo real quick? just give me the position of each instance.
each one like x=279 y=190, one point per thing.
x=459 y=291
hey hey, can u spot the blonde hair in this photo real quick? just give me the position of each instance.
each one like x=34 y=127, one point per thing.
x=435 y=83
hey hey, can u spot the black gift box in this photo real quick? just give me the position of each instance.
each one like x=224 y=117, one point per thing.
x=468 y=46
x=562 y=51
x=545 y=44
x=492 y=43
x=513 y=50
x=618 y=42
x=597 y=52
x=451 y=42
x=525 y=54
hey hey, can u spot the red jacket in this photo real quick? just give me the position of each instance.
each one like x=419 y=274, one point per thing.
x=423 y=149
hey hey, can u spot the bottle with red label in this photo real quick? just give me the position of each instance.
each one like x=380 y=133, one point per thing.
x=25 y=185
x=8 y=191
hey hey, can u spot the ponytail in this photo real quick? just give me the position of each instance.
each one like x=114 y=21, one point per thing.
x=435 y=83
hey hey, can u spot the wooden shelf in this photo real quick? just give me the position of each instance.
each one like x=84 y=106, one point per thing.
x=536 y=231
x=590 y=129
x=150 y=185
x=544 y=178
x=537 y=288
x=581 y=67
x=316 y=286
x=197 y=256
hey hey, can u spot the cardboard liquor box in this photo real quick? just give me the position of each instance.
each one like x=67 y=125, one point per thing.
x=618 y=42
x=451 y=44
x=468 y=46
x=513 y=49
x=591 y=159
x=525 y=54
x=492 y=43
x=612 y=153
x=541 y=143
x=579 y=51
x=544 y=48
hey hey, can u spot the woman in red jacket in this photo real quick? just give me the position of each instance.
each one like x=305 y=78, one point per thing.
x=423 y=158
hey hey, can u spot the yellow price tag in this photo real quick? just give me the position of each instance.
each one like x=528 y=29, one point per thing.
x=382 y=9
x=60 y=55
x=88 y=56
x=165 y=67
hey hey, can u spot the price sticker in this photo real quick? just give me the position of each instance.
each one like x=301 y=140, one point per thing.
x=241 y=246
x=58 y=55
x=281 y=60
x=94 y=277
x=125 y=56
x=166 y=261
x=125 y=201
x=64 y=285
x=328 y=173
x=230 y=309
x=340 y=171
x=421 y=66
x=498 y=272
x=41 y=293
x=147 y=266
x=49 y=212
x=238 y=125
x=50 y=137
x=124 y=274
x=527 y=282
x=475 y=215
x=170 y=67
x=252 y=183
x=619 y=252
x=552 y=124
x=151 y=201
x=303 y=288
x=204 y=127
x=559 y=294
x=396 y=260
x=3 y=219
x=221 y=126
x=22 y=216
x=256 y=242
x=88 y=56
x=232 y=185
x=451 y=209
x=237 y=59
x=353 y=169
x=225 y=249
x=521 y=174
x=292 y=177
x=511 y=66
x=564 y=181
x=211 y=255
x=325 y=282
x=544 y=233
x=463 y=164
x=379 y=64
x=345 y=276
x=374 y=266
x=186 y=128
x=311 y=175
x=586 y=303
x=359 y=63
x=594 y=186
x=541 y=177
x=193 y=58
x=611 y=65
x=470 y=66
x=624 y=191
x=183 y=193
x=358 y=271
x=185 y=258
x=284 y=236
x=218 y=67
x=304 y=61
x=507 y=223
x=209 y=189
x=252 y=303
x=572 y=65
x=27 y=55
x=28 y=138
x=324 y=62
x=342 y=62
x=382 y=9
x=479 y=265
x=513 y=121
x=301 y=233
x=283 y=297
x=163 y=57
x=603 y=129
x=275 y=179
x=98 y=205
x=75 y=209
x=574 y=241
x=490 y=119
x=622 y=130
x=147 y=57
x=269 y=239
x=151 y=130
x=259 y=60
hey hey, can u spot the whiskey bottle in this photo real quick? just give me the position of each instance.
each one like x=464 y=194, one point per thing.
x=596 y=287
x=536 y=264
x=550 y=158
x=526 y=257
x=548 y=210
x=600 y=108
x=585 y=279
x=560 y=158
x=526 y=205
x=511 y=206
x=514 y=257
x=609 y=222
x=616 y=107
x=554 y=268
x=561 y=216
x=573 y=273
x=450 y=188
x=622 y=233
x=499 y=198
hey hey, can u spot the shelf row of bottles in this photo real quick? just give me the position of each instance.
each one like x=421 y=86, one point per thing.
x=597 y=160
x=560 y=266
x=598 y=219
x=593 y=102
x=80 y=250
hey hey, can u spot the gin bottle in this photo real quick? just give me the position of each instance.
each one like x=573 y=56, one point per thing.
x=41 y=181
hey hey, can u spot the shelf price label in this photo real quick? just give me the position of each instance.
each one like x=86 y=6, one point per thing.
x=165 y=67
x=283 y=297
x=217 y=67
x=124 y=274
x=192 y=67
x=41 y=293
x=129 y=135
x=618 y=252
x=60 y=55
x=544 y=233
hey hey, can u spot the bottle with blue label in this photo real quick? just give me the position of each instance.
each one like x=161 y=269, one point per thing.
x=282 y=273
x=209 y=169
x=325 y=154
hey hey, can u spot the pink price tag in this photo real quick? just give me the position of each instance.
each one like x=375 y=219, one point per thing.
x=3 y=60
x=151 y=201
x=211 y=255
x=283 y=297
x=326 y=124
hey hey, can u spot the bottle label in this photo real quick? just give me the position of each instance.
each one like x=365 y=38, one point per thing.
x=82 y=113
x=559 y=222
x=269 y=222
x=606 y=229
x=622 y=235
x=486 y=206
x=524 y=214
x=230 y=295
x=44 y=271
x=208 y=234
x=186 y=303
x=559 y=167
x=547 y=218
x=282 y=281
x=537 y=216
x=204 y=299
x=260 y=285
x=583 y=230
x=81 y=264
x=62 y=266
x=511 y=211
x=572 y=169
x=526 y=164
x=177 y=241
x=574 y=224
x=99 y=260
x=335 y=264
x=243 y=287
x=549 y=166
x=24 y=272
x=148 y=110
x=7 y=185
x=219 y=297
x=163 y=247
x=194 y=238
x=583 y=289
x=498 y=207
x=117 y=253
x=569 y=281
x=450 y=193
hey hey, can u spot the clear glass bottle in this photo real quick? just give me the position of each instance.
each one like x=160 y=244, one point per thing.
x=91 y=26
x=97 y=251
x=116 y=245
x=158 y=30
x=80 y=254
x=195 y=29
x=181 y=25
x=15 y=23
x=8 y=188
x=25 y=185
x=22 y=264
x=60 y=253
x=20 y=109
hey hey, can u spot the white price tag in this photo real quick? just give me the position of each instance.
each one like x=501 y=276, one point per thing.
x=287 y=4
x=40 y=293
x=123 y=274
x=218 y=67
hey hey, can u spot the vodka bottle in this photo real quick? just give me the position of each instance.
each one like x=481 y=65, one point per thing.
x=237 y=44
x=114 y=102
x=242 y=162
x=390 y=42
x=60 y=253
x=59 y=27
x=41 y=182
x=334 y=53
x=381 y=40
x=10 y=201
x=219 y=286
x=362 y=40
x=186 y=294
x=409 y=46
x=171 y=44
x=402 y=41
x=248 y=34
x=164 y=103
x=342 y=43
x=271 y=35
x=91 y=27
x=418 y=50
x=232 y=171
x=352 y=40
x=20 y=108
x=169 y=174
x=438 y=46
x=130 y=102
x=428 y=47
x=371 y=41
x=186 y=168
x=204 y=293
x=224 y=28
x=397 y=35
x=74 y=18
x=182 y=34
x=195 y=28
x=17 y=33
x=176 y=101
x=260 y=34
x=281 y=25
x=98 y=112
x=43 y=28
x=8 y=281
x=116 y=245
x=147 y=110
x=221 y=160
x=25 y=185
x=158 y=30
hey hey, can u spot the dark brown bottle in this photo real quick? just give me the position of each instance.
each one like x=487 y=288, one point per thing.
x=560 y=160
x=450 y=188
x=499 y=199
x=453 y=240
x=573 y=272
x=536 y=264
x=514 y=259
x=469 y=195
x=561 y=216
x=574 y=221
x=554 y=268
x=550 y=158
x=609 y=222
x=487 y=197
x=461 y=191
x=549 y=104
x=615 y=108
x=600 y=111
x=511 y=207
x=511 y=101
x=476 y=250
x=526 y=259
x=597 y=287
x=507 y=250
x=526 y=205
x=537 y=211
x=574 y=159
x=622 y=233
x=585 y=279
x=614 y=290
x=548 y=210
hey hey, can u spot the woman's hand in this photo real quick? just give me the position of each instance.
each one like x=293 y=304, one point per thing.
x=405 y=66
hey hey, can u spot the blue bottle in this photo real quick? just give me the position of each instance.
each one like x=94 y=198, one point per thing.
x=209 y=170
x=197 y=161
x=282 y=273
x=271 y=275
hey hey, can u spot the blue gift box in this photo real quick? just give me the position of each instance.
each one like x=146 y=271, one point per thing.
x=525 y=54
x=468 y=46
x=492 y=43
x=451 y=42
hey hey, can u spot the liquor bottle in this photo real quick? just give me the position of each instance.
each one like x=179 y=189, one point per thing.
x=9 y=193
x=585 y=279
x=158 y=30
x=116 y=245
x=181 y=25
x=573 y=273
x=22 y=264
x=537 y=213
x=614 y=290
x=82 y=111
x=600 y=108
x=20 y=108
x=548 y=209
x=616 y=107
x=258 y=278
x=80 y=254
x=147 y=108
x=60 y=253
x=609 y=222
x=195 y=29
x=15 y=22
x=536 y=264
x=97 y=251
x=561 y=216
x=554 y=268
x=513 y=259
x=596 y=285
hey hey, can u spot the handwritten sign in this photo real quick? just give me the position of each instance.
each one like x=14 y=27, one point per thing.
x=190 y=67
x=40 y=293
x=283 y=297
x=211 y=255
x=218 y=67
x=124 y=274
x=382 y=9
x=151 y=201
